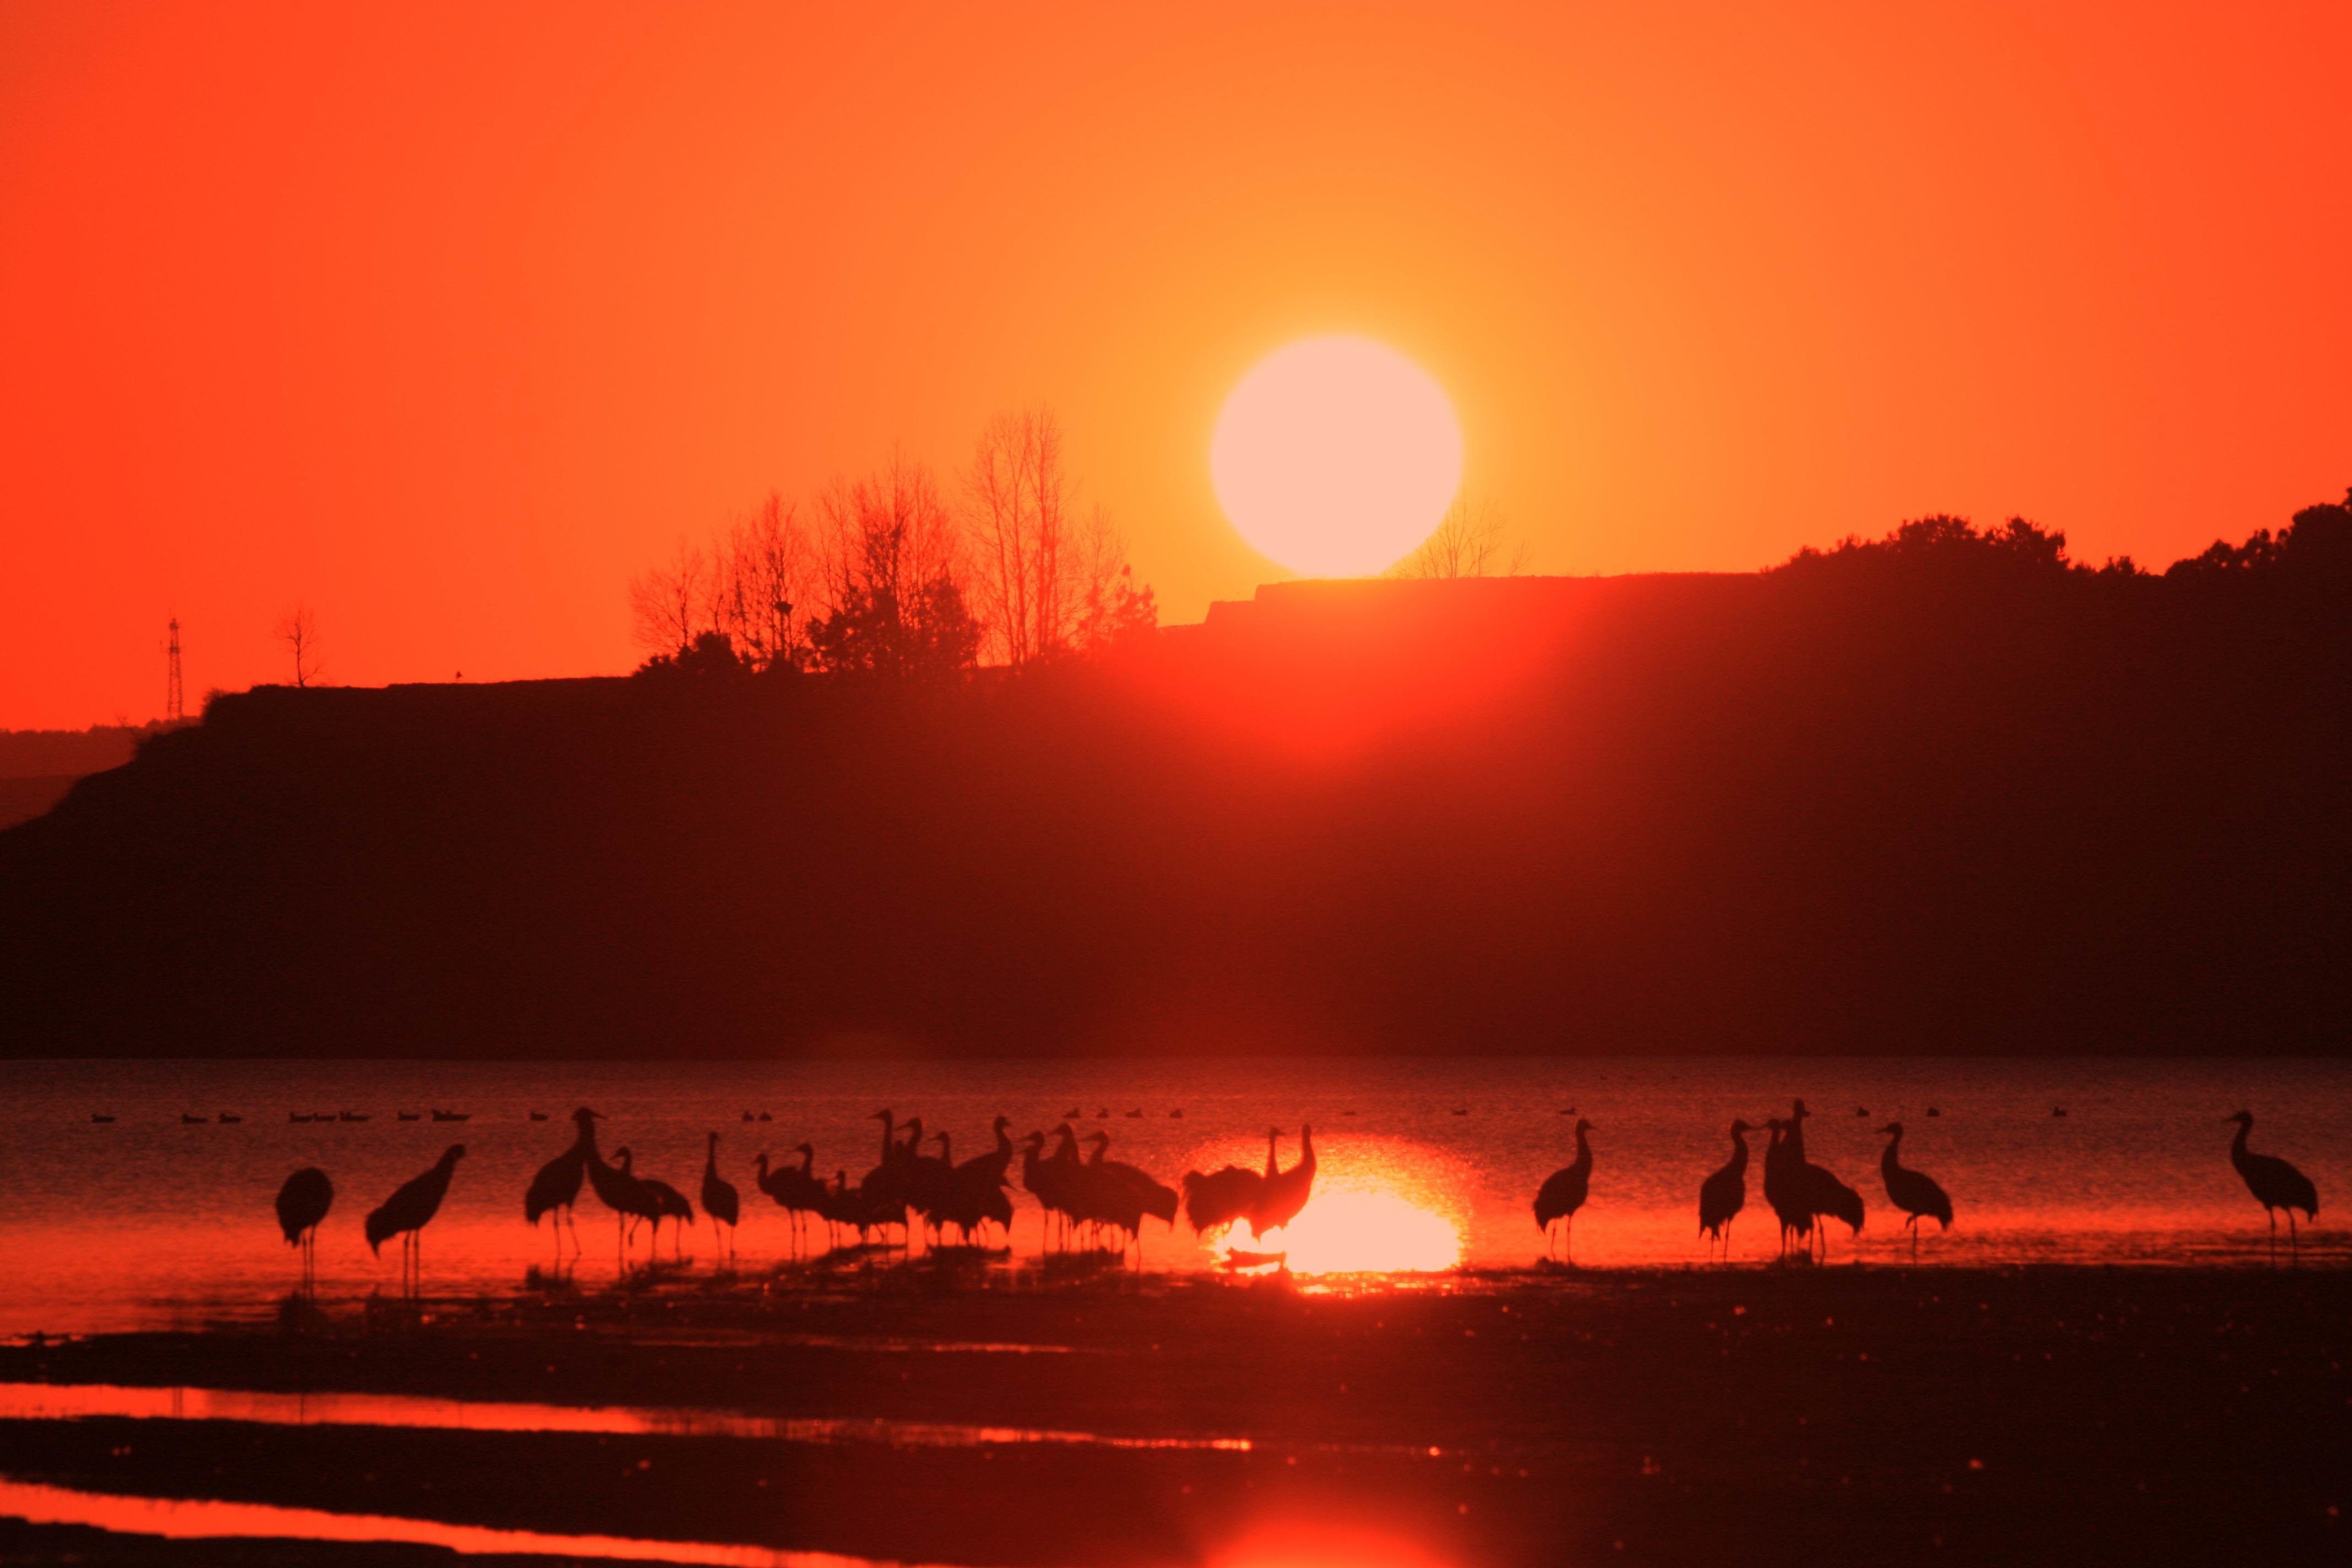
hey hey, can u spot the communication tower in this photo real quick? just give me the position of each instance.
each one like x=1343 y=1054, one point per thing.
x=174 y=706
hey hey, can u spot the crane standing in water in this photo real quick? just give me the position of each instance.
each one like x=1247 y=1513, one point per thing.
x=1563 y=1193
x=1913 y=1192
x=718 y=1199
x=1783 y=1187
x=2276 y=1185
x=556 y=1187
x=408 y=1211
x=1724 y=1193
x=1286 y=1191
x=1227 y=1194
x=302 y=1203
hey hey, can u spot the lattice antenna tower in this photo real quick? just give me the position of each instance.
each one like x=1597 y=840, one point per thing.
x=174 y=702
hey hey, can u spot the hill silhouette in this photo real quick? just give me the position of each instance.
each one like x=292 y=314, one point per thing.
x=1942 y=791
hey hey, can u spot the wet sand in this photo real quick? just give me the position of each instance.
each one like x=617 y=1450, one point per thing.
x=1822 y=1415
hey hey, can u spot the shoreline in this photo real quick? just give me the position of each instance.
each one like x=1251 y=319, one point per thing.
x=1872 y=1414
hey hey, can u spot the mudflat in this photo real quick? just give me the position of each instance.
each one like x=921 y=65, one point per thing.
x=1819 y=1414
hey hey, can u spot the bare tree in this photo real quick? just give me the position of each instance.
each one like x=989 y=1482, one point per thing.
x=670 y=605
x=1113 y=608
x=764 y=585
x=1019 y=520
x=893 y=570
x=1469 y=542
x=299 y=630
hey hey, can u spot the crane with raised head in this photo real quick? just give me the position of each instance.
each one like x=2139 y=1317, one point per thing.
x=718 y=1198
x=556 y=1187
x=1563 y=1193
x=1915 y=1193
x=1725 y=1191
x=1229 y=1193
x=2276 y=1185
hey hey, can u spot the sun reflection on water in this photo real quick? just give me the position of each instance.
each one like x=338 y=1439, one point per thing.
x=1380 y=1207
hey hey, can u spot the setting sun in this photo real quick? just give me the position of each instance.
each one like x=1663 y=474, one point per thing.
x=1335 y=456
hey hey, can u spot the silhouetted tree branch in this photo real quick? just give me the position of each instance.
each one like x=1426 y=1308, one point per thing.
x=299 y=630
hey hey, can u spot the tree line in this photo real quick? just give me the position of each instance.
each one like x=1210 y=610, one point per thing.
x=891 y=574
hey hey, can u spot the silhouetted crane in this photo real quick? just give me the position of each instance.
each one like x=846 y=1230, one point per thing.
x=1150 y=1196
x=619 y=1191
x=556 y=1187
x=1228 y=1193
x=1784 y=1187
x=1818 y=1188
x=406 y=1213
x=1913 y=1192
x=1286 y=1191
x=719 y=1200
x=302 y=1203
x=795 y=1188
x=1048 y=1184
x=2276 y=1185
x=1563 y=1193
x=884 y=1188
x=930 y=1179
x=667 y=1201
x=1724 y=1193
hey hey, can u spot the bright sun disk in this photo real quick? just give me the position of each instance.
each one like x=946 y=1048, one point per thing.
x=1335 y=456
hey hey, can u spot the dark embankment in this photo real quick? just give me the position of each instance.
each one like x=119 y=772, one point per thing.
x=1945 y=793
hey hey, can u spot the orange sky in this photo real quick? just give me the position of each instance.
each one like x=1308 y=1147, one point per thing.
x=446 y=322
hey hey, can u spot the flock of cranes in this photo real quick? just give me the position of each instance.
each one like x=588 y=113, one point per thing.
x=1098 y=1205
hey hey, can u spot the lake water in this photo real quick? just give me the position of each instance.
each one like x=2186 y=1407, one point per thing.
x=1424 y=1166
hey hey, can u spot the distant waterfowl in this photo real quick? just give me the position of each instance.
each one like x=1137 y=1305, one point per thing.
x=2057 y=1110
x=188 y=1120
x=302 y=1203
x=538 y=1116
x=765 y=1117
x=100 y=1117
x=1862 y=1111
x=1177 y=1114
x=2276 y=1185
x=1135 y=1116
x=556 y=1188
x=350 y=1116
x=296 y=1116
x=408 y=1116
x=406 y=1213
x=748 y=1117
x=228 y=1118
x=718 y=1199
x=1933 y=1111
x=452 y=1116
x=1563 y=1193
x=1913 y=1192
x=1071 y=1115
x=1725 y=1193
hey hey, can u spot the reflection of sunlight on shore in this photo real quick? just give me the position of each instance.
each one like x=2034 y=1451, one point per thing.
x=1297 y=1544
x=1359 y=1230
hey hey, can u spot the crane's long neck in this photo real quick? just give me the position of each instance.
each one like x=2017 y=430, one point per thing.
x=808 y=1161
x=1739 y=1152
x=1305 y=1148
x=1891 y=1160
x=1272 y=1164
x=2238 y=1145
x=711 y=1156
x=947 y=1153
x=1004 y=1137
x=1583 y=1151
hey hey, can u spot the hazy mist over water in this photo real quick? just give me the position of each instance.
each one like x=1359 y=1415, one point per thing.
x=147 y=1221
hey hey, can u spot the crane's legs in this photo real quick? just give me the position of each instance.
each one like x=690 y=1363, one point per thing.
x=2272 y=1215
x=2293 y=1245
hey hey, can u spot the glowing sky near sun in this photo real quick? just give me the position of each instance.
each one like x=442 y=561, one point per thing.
x=444 y=319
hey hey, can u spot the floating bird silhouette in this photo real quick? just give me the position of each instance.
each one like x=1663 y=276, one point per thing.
x=229 y=1117
x=2276 y=1185
x=100 y=1117
x=1725 y=1193
x=1229 y=1193
x=718 y=1199
x=188 y=1120
x=408 y=1116
x=1913 y=1192
x=556 y=1188
x=302 y=1203
x=1563 y=1193
x=410 y=1208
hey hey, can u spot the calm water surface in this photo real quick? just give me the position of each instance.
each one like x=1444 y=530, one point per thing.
x=1424 y=1166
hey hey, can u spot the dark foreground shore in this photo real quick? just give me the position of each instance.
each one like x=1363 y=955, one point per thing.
x=1818 y=1416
